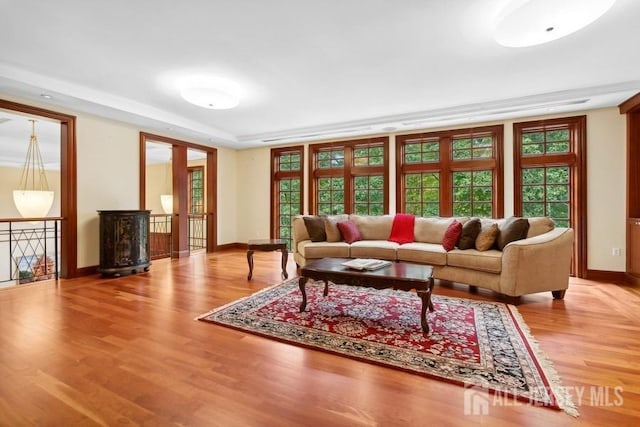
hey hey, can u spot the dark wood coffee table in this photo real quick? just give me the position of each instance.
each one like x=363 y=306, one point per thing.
x=399 y=275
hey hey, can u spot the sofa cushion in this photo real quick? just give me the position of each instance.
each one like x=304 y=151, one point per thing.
x=487 y=236
x=431 y=230
x=402 y=228
x=511 y=230
x=379 y=249
x=331 y=227
x=470 y=231
x=451 y=235
x=489 y=261
x=315 y=228
x=309 y=249
x=373 y=227
x=349 y=230
x=424 y=253
x=539 y=225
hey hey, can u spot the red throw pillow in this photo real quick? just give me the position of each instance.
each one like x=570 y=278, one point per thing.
x=452 y=235
x=402 y=228
x=349 y=231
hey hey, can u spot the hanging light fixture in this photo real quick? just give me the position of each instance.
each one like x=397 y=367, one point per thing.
x=33 y=199
x=167 y=199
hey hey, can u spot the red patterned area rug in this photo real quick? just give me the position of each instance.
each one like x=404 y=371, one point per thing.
x=481 y=345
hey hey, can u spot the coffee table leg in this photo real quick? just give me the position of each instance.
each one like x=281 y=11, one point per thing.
x=301 y=284
x=285 y=256
x=326 y=288
x=425 y=296
x=250 y=261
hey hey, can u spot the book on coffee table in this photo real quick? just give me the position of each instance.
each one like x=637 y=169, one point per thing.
x=366 y=264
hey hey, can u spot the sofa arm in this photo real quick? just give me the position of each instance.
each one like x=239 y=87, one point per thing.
x=537 y=264
x=299 y=233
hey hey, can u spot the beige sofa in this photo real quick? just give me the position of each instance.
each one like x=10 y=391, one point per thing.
x=540 y=262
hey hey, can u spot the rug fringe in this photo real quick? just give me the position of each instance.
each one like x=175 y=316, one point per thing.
x=564 y=400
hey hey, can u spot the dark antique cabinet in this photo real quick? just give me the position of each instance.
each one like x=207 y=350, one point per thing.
x=124 y=242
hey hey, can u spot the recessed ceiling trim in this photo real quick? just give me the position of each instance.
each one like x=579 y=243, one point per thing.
x=522 y=104
x=36 y=82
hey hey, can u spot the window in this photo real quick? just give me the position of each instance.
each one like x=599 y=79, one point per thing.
x=196 y=189
x=195 y=202
x=350 y=177
x=550 y=175
x=286 y=190
x=457 y=172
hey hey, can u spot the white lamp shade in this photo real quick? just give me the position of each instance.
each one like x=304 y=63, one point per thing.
x=167 y=203
x=33 y=203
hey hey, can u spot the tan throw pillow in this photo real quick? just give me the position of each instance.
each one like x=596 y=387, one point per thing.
x=539 y=225
x=470 y=231
x=331 y=227
x=315 y=228
x=512 y=229
x=487 y=237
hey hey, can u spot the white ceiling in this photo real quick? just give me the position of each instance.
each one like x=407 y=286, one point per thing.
x=309 y=69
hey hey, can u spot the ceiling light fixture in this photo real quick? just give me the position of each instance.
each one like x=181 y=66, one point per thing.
x=531 y=22
x=33 y=199
x=210 y=92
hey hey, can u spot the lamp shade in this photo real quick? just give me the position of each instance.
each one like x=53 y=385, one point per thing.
x=167 y=203
x=33 y=203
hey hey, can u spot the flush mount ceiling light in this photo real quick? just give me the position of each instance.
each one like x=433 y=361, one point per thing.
x=210 y=92
x=531 y=22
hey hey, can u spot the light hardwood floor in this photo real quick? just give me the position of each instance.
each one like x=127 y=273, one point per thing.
x=95 y=351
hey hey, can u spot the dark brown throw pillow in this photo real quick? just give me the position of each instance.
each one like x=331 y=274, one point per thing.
x=315 y=228
x=512 y=229
x=470 y=231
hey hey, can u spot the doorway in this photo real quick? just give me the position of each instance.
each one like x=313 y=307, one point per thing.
x=178 y=184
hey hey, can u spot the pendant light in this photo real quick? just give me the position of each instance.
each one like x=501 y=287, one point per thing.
x=33 y=199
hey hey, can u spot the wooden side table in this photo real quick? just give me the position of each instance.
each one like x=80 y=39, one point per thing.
x=267 y=245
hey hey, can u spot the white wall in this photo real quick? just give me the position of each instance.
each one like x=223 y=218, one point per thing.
x=229 y=192
x=108 y=176
x=606 y=199
x=254 y=200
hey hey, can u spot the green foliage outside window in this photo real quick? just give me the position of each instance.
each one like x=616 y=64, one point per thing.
x=472 y=148
x=289 y=162
x=330 y=159
x=545 y=142
x=368 y=195
x=287 y=185
x=368 y=156
x=472 y=193
x=330 y=196
x=422 y=152
x=196 y=190
x=546 y=192
x=422 y=193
